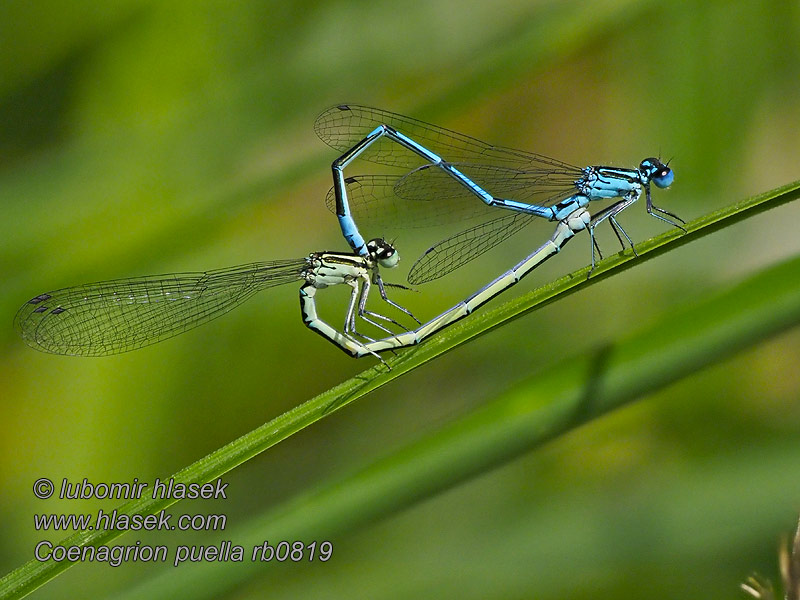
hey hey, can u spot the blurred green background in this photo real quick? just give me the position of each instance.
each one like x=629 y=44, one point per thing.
x=146 y=137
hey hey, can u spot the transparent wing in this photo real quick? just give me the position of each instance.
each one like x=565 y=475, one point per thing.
x=110 y=317
x=429 y=196
x=543 y=188
x=341 y=127
x=374 y=201
x=456 y=251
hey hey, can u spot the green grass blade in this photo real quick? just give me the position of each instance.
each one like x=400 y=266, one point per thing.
x=33 y=574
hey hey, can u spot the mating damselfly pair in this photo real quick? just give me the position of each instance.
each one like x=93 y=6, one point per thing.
x=445 y=173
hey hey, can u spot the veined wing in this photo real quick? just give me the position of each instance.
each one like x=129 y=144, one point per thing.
x=374 y=200
x=430 y=196
x=458 y=250
x=110 y=317
x=539 y=186
x=343 y=126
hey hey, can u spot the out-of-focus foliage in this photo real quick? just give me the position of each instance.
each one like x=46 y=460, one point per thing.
x=146 y=137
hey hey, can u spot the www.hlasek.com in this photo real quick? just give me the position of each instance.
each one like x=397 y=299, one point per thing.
x=225 y=551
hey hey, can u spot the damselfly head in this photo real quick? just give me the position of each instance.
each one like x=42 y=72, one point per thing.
x=657 y=172
x=383 y=253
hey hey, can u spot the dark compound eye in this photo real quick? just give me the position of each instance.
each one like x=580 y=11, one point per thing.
x=384 y=252
x=380 y=247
